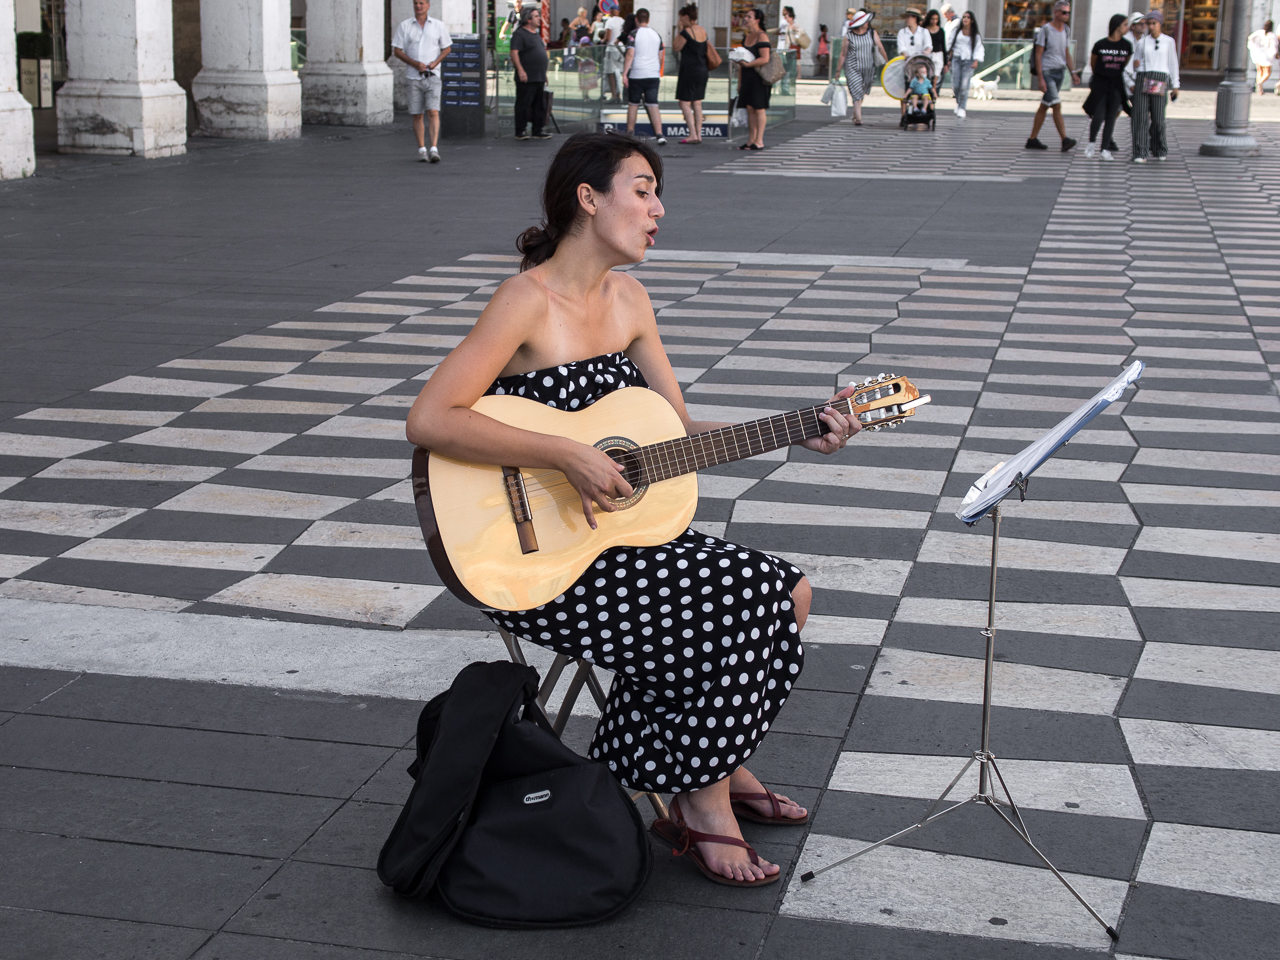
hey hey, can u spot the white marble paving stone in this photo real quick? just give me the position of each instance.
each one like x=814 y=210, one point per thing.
x=1095 y=789
x=726 y=413
x=331 y=466
x=858 y=574
x=128 y=418
x=1204 y=355
x=712 y=528
x=928 y=482
x=439 y=341
x=301 y=408
x=420 y=281
x=390 y=400
x=838 y=327
x=253 y=341
x=740 y=361
x=1192 y=595
x=705 y=331
x=716 y=486
x=62 y=519
x=826 y=515
x=880 y=361
x=1064 y=510
x=253 y=502
x=332 y=326
x=222 y=441
x=1220 y=544
x=915 y=675
x=359 y=601
x=1167 y=744
x=1227 y=668
x=65 y=593
x=7 y=482
x=360 y=428
x=249 y=557
x=238 y=366
x=379 y=536
x=903 y=437
x=13 y=564
x=1018 y=554
x=822 y=629
x=401 y=492
x=168 y=387
x=745 y=301
x=31 y=445
x=124 y=470
x=1189 y=425
x=1068 y=619
x=326 y=384
x=1030 y=401
x=417 y=361
x=1022 y=355
x=853 y=349
x=1264 y=463
x=419 y=295
x=393 y=309
x=920 y=890
x=1056 y=468
x=1257 y=403
x=1230 y=863
x=1201 y=496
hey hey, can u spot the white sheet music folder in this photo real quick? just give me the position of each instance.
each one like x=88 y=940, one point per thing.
x=995 y=484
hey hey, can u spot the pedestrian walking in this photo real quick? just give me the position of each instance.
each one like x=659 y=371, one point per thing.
x=613 y=37
x=822 y=59
x=695 y=65
x=913 y=39
x=860 y=46
x=950 y=23
x=753 y=92
x=1262 y=51
x=581 y=24
x=1052 y=52
x=938 y=40
x=642 y=74
x=963 y=56
x=422 y=42
x=1137 y=30
x=529 y=56
x=1107 y=61
x=1156 y=57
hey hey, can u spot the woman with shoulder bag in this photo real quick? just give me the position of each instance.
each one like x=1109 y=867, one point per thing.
x=1156 y=60
x=753 y=91
x=696 y=55
x=861 y=44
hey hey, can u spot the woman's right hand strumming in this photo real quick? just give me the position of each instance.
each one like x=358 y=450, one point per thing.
x=596 y=476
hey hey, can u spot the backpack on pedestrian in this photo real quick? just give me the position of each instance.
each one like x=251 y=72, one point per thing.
x=506 y=824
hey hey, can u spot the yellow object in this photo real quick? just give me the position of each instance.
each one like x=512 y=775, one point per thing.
x=894 y=72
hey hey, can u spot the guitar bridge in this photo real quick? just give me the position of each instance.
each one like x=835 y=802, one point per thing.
x=521 y=512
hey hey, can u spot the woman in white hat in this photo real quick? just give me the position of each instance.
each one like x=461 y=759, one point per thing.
x=860 y=46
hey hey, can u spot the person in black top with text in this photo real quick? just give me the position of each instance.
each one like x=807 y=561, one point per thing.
x=1106 y=87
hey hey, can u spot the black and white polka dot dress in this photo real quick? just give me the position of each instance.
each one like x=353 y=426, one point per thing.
x=700 y=633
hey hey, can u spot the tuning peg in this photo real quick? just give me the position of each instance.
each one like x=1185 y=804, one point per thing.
x=881 y=377
x=894 y=425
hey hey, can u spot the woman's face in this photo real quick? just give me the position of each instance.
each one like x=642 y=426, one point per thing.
x=912 y=22
x=752 y=24
x=1156 y=27
x=626 y=218
x=966 y=22
x=932 y=22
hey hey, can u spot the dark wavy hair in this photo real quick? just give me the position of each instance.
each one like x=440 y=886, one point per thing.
x=590 y=158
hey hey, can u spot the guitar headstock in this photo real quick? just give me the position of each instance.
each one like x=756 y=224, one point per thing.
x=885 y=401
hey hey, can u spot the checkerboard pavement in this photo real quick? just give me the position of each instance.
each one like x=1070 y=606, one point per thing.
x=1137 y=689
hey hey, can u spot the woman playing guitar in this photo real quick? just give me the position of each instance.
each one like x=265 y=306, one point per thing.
x=702 y=634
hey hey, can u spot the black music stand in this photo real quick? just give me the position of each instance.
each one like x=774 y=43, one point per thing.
x=983 y=500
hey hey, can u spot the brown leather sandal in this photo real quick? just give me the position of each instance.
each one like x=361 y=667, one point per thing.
x=684 y=841
x=744 y=810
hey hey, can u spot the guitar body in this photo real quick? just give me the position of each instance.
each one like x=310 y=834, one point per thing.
x=478 y=550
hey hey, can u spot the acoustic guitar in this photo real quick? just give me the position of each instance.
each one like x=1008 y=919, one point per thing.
x=511 y=539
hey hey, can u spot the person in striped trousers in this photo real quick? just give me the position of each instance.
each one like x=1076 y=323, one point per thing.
x=1156 y=60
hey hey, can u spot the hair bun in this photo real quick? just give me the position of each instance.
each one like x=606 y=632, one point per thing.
x=537 y=244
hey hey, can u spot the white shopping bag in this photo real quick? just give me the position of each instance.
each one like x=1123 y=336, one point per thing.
x=738 y=118
x=828 y=93
x=840 y=103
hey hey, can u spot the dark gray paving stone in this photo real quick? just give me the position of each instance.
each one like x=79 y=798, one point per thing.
x=183 y=583
x=447 y=612
x=42 y=935
x=839 y=496
x=114 y=493
x=1223 y=442
x=236 y=946
x=315 y=483
x=815 y=713
x=846 y=603
x=1231 y=799
x=126 y=452
x=1044 y=488
x=211 y=527
x=1089 y=654
x=1172 y=566
x=791 y=758
x=1092 y=534
x=1186 y=703
x=319 y=446
x=1209 y=518
x=1226 y=628
x=189 y=756
x=301 y=714
x=792 y=937
x=1026 y=586
x=837 y=667
x=1199 y=478
x=378 y=511
x=350 y=907
x=182 y=887
x=391 y=783
x=24 y=466
x=394 y=566
x=676 y=881
x=22 y=687
x=900 y=725
x=353 y=836
x=250 y=822
x=1189 y=925
x=26 y=544
x=1098 y=846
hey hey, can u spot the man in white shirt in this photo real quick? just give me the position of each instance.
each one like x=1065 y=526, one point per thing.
x=1137 y=30
x=950 y=23
x=613 y=55
x=422 y=42
x=642 y=74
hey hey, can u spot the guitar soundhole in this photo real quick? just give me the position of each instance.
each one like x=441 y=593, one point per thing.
x=623 y=451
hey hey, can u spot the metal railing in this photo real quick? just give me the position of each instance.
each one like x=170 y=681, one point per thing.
x=298 y=48
x=1005 y=60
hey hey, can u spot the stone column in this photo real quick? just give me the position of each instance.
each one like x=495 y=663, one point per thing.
x=245 y=87
x=1231 y=137
x=120 y=96
x=17 y=148
x=401 y=10
x=346 y=80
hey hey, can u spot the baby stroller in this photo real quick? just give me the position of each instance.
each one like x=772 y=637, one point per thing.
x=897 y=83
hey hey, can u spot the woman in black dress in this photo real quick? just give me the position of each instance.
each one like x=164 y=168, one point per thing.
x=753 y=92
x=703 y=635
x=691 y=82
x=938 y=37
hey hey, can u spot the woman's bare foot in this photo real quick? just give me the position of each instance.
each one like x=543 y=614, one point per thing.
x=743 y=780
x=708 y=811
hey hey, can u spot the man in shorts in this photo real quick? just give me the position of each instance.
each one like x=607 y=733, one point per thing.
x=1052 y=51
x=422 y=42
x=642 y=74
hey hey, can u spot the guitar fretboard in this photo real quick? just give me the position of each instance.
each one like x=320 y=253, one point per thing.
x=674 y=458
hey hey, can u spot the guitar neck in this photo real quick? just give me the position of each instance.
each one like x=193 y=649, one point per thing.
x=674 y=458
